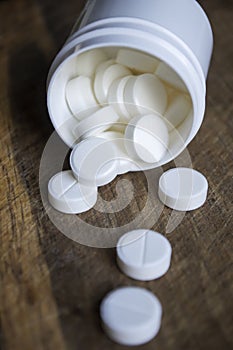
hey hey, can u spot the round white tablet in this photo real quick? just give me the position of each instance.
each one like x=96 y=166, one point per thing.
x=94 y=161
x=66 y=195
x=104 y=78
x=145 y=94
x=147 y=138
x=80 y=97
x=88 y=61
x=116 y=97
x=183 y=189
x=138 y=61
x=131 y=315
x=96 y=123
x=143 y=254
x=125 y=162
x=178 y=109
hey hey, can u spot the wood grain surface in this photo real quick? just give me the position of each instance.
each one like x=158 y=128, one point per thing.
x=50 y=286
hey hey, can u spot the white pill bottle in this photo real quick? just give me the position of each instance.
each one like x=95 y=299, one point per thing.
x=176 y=32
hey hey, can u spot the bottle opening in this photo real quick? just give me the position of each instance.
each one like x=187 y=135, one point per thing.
x=131 y=82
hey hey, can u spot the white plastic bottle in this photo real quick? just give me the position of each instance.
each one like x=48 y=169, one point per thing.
x=176 y=32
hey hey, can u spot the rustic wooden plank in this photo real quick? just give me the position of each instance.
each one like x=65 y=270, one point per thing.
x=29 y=316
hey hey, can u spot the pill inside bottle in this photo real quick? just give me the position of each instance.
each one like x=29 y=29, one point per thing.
x=134 y=84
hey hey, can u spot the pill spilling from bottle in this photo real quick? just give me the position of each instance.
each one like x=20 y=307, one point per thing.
x=124 y=109
x=127 y=93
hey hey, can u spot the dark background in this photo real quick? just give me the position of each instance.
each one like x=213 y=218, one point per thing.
x=50 y=286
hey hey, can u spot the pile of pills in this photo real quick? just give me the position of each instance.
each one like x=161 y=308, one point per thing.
x=125 y=108
x=134 y=84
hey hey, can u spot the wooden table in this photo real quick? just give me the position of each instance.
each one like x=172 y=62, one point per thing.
x=51 y=287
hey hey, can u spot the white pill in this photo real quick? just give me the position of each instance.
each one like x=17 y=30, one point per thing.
x=87 y=62
x=100 y=70
x=183 y=189
x=80 y=97
x=104 y=78
x=125 y=162
x=137 y=61
x=104 y=65
x=147 y=138
x=111 y=135
x=144 y=255
x=145 y=94
x=116 y=97
x=68 y=196
x=96 y=123
x=131 y=315
x=169 y=76
x=94 y=161
x=177 y=111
